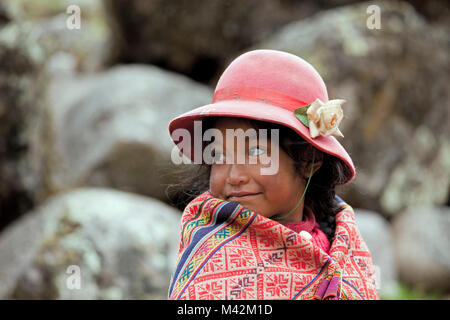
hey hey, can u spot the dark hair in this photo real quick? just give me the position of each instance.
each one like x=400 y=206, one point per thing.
x=320 y=195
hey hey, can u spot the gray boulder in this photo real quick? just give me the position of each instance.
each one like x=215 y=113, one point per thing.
x=195 y=37
x=25 y=124
x=35 y=44
x=422 y=246
x=111 y=127
x=199 y=37
x=90 y=244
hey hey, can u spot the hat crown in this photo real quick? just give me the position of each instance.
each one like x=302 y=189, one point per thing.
x=276 y=71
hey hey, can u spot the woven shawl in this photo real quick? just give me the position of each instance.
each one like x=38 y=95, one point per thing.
x=227 y=251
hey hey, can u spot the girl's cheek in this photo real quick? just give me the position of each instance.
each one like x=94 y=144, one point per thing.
x=216 y=183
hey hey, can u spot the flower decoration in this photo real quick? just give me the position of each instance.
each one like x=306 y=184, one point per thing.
x=322 y=118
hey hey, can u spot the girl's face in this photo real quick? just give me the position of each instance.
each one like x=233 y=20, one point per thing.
x=268 y=195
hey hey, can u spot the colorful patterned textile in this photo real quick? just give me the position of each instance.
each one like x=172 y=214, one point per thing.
x=309 y=224
x=229 y=252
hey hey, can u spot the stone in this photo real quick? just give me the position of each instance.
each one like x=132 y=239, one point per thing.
x=195 y=38
x=422 y=246
x=90 y=243
x=199 y=38
x=86 y=47
x=112 y=127
x=35 y=44
x=25 y=131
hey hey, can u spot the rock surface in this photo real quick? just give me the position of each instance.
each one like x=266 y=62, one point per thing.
x=112 y=127
x=121 y=246
x=35 y=44
x=198 y=38
x=422 y=246
x=25 y=126
x=68 y=48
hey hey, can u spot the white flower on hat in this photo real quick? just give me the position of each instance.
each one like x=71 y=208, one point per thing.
x=325 y=118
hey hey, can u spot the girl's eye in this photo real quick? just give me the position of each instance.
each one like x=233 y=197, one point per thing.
x=256 y=151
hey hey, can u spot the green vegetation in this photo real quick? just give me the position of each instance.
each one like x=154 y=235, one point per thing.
x=414 y=293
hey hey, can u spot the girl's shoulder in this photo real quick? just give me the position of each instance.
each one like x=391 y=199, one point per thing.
x=345 y=211
x=346 y=232
x=348 y=245
x=347 y=236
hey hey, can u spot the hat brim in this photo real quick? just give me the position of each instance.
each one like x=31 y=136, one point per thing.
x=263 y=112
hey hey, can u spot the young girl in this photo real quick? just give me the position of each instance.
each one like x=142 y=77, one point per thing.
x=264 y=221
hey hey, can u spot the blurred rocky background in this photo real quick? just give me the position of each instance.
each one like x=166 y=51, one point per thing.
x=85 y=153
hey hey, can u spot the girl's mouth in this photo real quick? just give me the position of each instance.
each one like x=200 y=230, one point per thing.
x=247 y=196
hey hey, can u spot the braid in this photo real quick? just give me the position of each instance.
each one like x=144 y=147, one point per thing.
x=320 y=195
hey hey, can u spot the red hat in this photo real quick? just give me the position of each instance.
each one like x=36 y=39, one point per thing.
x=270 y=85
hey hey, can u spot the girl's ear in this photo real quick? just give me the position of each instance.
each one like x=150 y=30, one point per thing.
x=318 y=161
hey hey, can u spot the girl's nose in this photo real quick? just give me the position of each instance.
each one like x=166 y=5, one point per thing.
x=237 y=174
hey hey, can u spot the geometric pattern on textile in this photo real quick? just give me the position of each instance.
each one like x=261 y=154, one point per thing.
x=229 y=252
